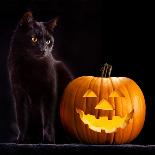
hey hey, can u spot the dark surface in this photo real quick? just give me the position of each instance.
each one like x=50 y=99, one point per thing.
x=14 y=149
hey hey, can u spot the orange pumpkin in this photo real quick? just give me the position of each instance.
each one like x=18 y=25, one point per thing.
x=100 y=110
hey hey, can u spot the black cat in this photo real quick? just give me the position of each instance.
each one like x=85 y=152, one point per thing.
x=35 y=77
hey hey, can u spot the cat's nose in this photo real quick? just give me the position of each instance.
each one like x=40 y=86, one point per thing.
x=43 y=49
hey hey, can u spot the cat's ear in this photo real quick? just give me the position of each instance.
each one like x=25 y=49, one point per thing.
x=26 y=19
x=52 y=23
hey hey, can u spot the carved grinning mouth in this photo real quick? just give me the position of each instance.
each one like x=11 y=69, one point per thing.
x=102 y=123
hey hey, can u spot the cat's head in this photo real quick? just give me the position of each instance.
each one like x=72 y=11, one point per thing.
x=35 y=37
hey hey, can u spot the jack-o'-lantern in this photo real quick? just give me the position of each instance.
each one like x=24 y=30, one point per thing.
x=100 y=110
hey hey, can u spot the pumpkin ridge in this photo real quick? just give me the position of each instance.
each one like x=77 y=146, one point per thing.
x=110 y=135
x=65 y=104
x=99 y=96
x=115 y=104
x=118 y=82
x=74 y=126
x=103 y=135
x=140 y=104
x=88 y=133
x=97 y=111
x=83 y=83
x=132 y=108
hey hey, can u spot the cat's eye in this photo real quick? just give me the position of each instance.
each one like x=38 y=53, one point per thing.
x=48 y=42
x=34 y=39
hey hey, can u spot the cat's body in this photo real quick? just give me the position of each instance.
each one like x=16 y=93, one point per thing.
x=35 y=76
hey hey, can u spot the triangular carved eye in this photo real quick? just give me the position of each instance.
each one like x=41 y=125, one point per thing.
x=89 y=93
x=104 y=105
x=116 y=93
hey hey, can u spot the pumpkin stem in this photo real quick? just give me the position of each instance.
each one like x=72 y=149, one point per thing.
x=106 y=70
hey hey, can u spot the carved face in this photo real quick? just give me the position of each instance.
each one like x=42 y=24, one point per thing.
x=103 y=122
x=103 y=110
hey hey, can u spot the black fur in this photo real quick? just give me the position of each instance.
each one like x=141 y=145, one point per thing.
x=35 y=76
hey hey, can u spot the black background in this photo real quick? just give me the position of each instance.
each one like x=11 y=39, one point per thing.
x=89 y=34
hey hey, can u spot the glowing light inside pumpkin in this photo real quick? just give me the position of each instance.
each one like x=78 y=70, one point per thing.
x=103 y=123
